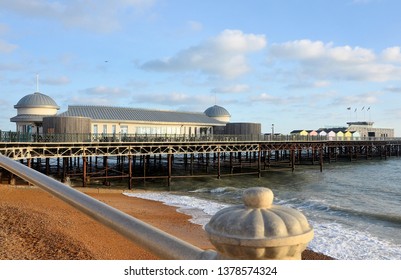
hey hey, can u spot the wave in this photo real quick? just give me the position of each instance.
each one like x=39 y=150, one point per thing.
x=327 y=208
x=218 y=190
x=331 y=238
x=185 y=204
x=345 y=243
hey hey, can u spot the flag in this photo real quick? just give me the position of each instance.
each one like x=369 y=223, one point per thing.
x=363 y=108
x=349 y=108
x=355 y=110
x=368 y=109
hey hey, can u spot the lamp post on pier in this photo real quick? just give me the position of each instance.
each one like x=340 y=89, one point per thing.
x=272 y=131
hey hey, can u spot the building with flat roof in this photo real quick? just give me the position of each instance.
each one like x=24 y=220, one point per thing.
x=366 y=129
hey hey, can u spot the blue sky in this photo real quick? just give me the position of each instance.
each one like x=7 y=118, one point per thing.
x=294 y=64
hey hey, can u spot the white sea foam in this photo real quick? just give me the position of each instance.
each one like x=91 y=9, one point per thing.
x=332 y=239
x=200 y=210
x=343 y=243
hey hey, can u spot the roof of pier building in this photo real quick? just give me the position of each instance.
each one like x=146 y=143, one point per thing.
x=218 y=113
x=33 y=107
x=36 y=100
x=28 y=118
x=109 y=113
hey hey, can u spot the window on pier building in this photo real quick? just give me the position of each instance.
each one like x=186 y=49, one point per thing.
x=95 y=129
x=105 y=129
x=124 y=129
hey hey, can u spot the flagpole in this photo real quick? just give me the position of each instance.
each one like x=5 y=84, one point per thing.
x=364 y=115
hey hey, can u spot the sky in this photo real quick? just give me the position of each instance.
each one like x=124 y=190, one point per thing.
x=284 y=63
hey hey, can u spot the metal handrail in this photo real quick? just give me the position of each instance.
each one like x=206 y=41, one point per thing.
x=158 y=242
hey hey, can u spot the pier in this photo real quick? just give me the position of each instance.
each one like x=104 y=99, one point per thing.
x=173 y=157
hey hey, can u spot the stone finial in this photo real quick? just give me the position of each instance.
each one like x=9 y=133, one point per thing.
x=258 y=229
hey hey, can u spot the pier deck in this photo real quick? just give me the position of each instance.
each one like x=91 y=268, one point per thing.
x=177 y=159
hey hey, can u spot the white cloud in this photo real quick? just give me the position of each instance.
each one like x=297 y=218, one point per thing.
x=360 y=99
x=172 y=99
x=80 y=100
x=392 y=54
x=306 y=50
x=237 y=42
x=317 y=60
x=239 y=88
x=310 y=84
x=100 y=16
x=7 y=47
x=110 y=92
x=266 y=97
x=320 y=84
x=347 y=54
x=223 y=56
x=277 y=100
x=300 y=49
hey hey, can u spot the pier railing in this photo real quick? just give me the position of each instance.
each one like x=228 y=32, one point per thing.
x=10 y=136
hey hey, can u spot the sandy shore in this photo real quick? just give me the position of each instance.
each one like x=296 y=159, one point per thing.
x=35 y=225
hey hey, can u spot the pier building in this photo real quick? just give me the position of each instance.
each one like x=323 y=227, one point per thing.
x=106 y=120
x=366 y=129
x=37 y=115
x=31 y=109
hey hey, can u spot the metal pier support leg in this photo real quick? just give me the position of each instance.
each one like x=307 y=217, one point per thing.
x=292 y=152
x=218 y=166
x=129 y=172
x=65 y=166
x=169 y=162
x=84 y=165
x=321 y=159
x=106 y=167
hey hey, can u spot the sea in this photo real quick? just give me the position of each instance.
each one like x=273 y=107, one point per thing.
x=354 y=207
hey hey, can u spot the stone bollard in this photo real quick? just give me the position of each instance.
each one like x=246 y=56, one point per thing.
x=259 y=230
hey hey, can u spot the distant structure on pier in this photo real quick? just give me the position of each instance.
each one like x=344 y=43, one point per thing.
x=366 y=129
x=37 y=114
x=355 y=130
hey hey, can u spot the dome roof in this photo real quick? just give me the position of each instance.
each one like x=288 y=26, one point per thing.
x=216 y=111
x=36 y=99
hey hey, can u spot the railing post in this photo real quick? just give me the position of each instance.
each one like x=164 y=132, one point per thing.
x=259 y=230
